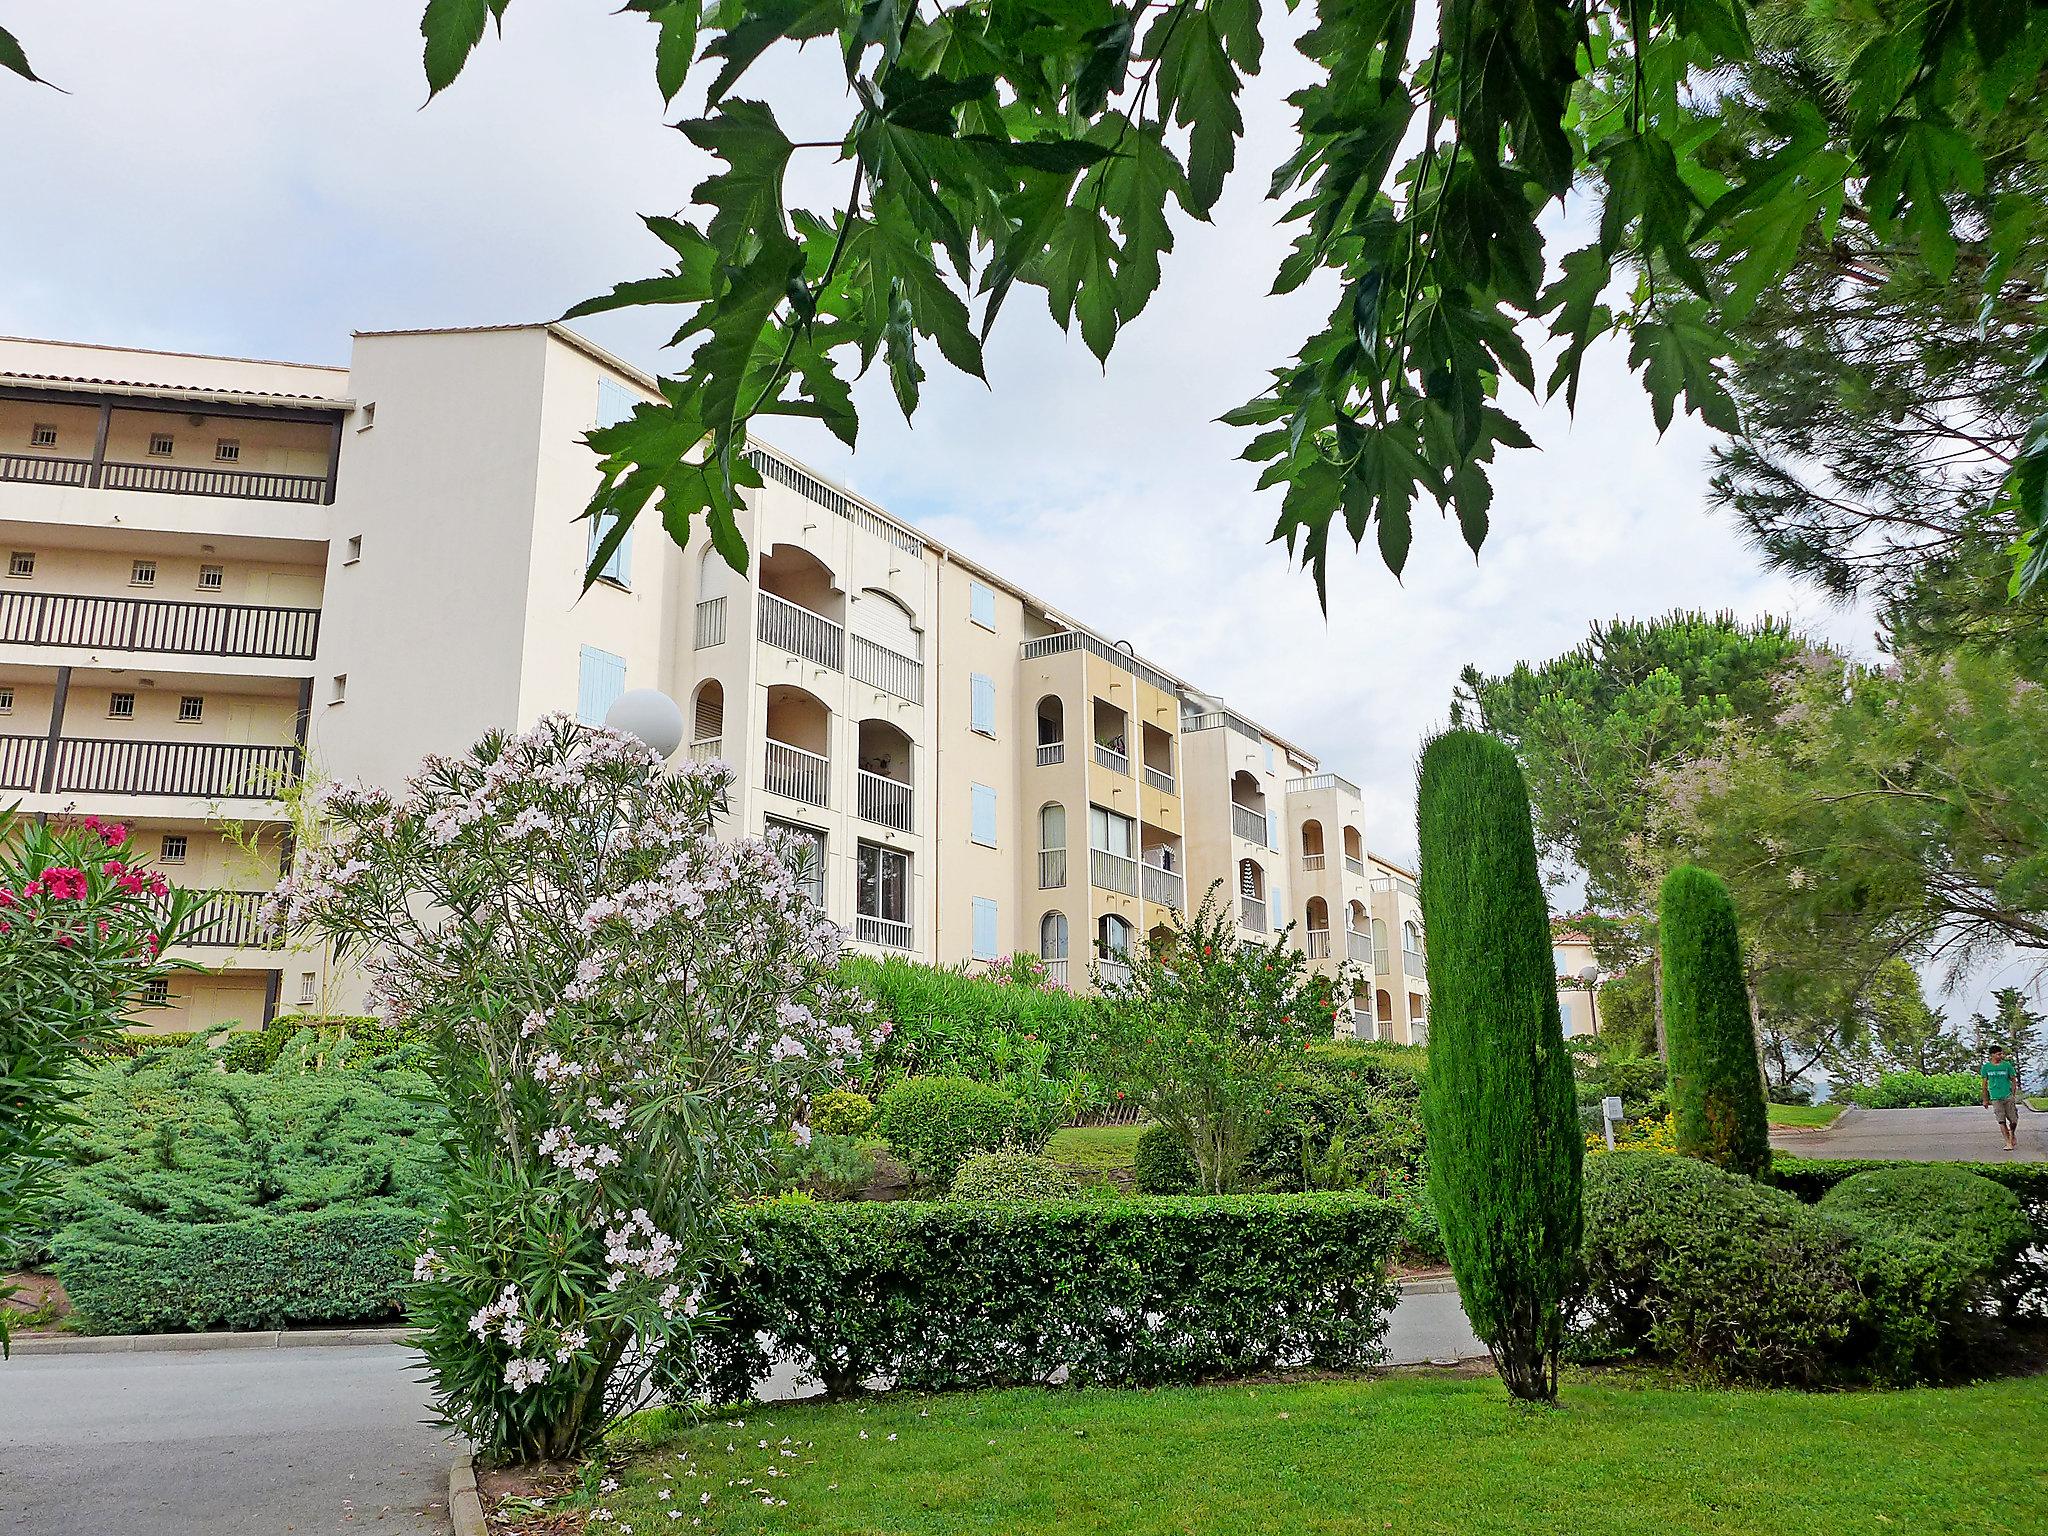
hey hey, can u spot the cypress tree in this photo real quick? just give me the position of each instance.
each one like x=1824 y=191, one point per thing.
x=1717 y=1091
x=1499 y=1106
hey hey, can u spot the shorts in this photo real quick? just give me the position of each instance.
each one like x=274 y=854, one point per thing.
x=2007 y=1111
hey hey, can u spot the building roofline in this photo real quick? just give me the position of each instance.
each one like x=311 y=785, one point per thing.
x=203 y=357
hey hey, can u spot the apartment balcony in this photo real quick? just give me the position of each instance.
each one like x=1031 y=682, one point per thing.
x=1052 y=869
x=707 y=749
x=1112 y=872
x=890 y=671
x=801 y=632
x=159 y=625
x=1400 y=883
x=1355 y=865
x=796 y=774
x=1159 y=778
x=230 y=920
x=1358 y=946
x=1051 y=753
x=1164 y=887
x=21 y=761
x=1318 y=943
x=1056 y=971
x=1362 y=1027
x=1248 y=824
x=710 y=623
x=1382 y=965
x=1251 y=913
x=1411 y=964
x=1312 y=861
x=1110 y=757
x=1115 y=972
x=885 y=801
x=881 y=931
x=170 y=479
x=194 y=769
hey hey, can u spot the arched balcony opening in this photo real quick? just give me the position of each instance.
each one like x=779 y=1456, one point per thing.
x=1311 y=845
x=707 y=721
x=1361 y=1013
x=797 y=762
x=1248 y=808
x=1358 y=933
x=1052 y=847
x=1052 y=731
x=1354 y=851
x=882 y=783
x=1383 y=1006
x=1411 y=949
x=1052 y=946
x=1251 y=895
x=1318 y=929
x=802 y=611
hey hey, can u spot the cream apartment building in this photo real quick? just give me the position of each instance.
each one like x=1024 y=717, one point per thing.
x=222 y=574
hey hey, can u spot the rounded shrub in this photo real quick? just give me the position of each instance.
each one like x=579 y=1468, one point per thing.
x=1499 y=1101
x=1717 y=1091
x=1979 y=1225
x=1917 y=1090
x=1162 y=1164
x=842 y=1112
x=935 y=1123
x=1012 y=1176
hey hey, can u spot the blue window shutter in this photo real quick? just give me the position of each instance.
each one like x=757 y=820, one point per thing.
x=600 y=679
x=984 y=830
x=982 y=698
x=619 y=567
x=984 y=928
x=981 y=604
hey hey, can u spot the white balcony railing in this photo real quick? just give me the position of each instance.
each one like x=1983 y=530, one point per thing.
x=1159 y=778
x=1051 y=752
x=1108 y=757
x=1248 y=824
x=1111 y=872
x=1252 y=913
x=793 y=772
x=1411 y=964
x=1312 y=861
x=1112 y=971
x=1380 y=964
x=1319 y=943
x=1355 y=865
x=884 y=801
x=1362 y=1025
x=707 y=749
x=1358 y=946
x=890 y=671
x=1399 y=883
x=801 y=632
x=1164 y=887
x=1052 y=869
x=1056 y=970
x=886 y=932
x=710 y=623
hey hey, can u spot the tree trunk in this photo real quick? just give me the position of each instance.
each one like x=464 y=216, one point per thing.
x=1657 y=1002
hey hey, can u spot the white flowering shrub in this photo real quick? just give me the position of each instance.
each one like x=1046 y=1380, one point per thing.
x=621 y=1012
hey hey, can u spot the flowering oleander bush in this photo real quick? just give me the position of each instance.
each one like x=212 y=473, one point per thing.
x=620 y=1013
x=83 y=928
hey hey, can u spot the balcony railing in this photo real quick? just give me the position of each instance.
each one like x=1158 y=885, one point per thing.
x=1355 y=865
x=1051 y=752
x=1159 y=778
x=1312 y=861
x=1399 y=883
x=1380 y=963
x=1318 y=943
x=37 y=470
x=1108 y=970
x=795 y=773
x=706 y=749
x=1322 y=781
x=888 y=670
x=204 y=770
x=1411 y=964
x=231 y=920
x=1164 y=887
x=1252 y=913
x=881 y=930
x=1358 y=946
x=801 y=632
x=1081 y=640
x=1112 y=872
x=1056 y=970
x=883 y=800
x=21 y=761
x=1362 y=1027
x=710 y=623
x=1248 y=824
x=1052 y=869
x=162 y=625
x=1108 y=757
x=193 y=480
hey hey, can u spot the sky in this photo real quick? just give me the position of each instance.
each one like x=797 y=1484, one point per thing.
x=261 y=179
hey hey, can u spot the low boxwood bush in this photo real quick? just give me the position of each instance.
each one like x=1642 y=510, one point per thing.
x=1162 y=1164
x=1980 y=1222
x=1012 y=1176
x=1131 y=1292
x=842 y=1112
x=1916 y=1090
x=934 y=1123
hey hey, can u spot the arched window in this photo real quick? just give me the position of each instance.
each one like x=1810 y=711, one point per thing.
x=1052 y=936
x=1411 y=938
x=1052 y=723
x=707 y=721
x=1052 y=846
x=1113 y=937
x=1318 y=914
x=1383 y=1005
x=1311 y=845
x=1251 y=880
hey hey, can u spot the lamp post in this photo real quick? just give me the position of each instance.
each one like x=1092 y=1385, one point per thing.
x=1590 y=975
x=650 y=716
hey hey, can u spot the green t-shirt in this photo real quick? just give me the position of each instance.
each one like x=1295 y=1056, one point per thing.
x=1997 y=1077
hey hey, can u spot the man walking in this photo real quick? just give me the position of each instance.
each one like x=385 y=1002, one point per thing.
x=2001 y=1095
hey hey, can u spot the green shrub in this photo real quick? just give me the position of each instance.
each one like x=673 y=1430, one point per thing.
x=1012 y=1176
x=1163 y=1165
x=950 y=1023
x=842 y=1112
x=1975 y=1224
x=1422 y=1235
x=1341 y=1120
x=1717 y=1094
x=1113 y=1292
x=1504 y=1141
x=1916 y=1090
x=837 y=1167
x=934 y=1123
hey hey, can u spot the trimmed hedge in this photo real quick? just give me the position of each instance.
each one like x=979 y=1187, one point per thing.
x=935 y=1123
x=1916 y=1090
x=1012 y=1176
x=1129 y=1292
x=947 y=1021
x=1717 y=1094
x=1162 y=1164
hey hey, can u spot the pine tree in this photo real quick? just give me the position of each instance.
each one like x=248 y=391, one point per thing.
x=1499 y=1106
x=1716 y=1083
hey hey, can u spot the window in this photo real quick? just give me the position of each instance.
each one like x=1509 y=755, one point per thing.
x=618 y=565
x=1557 y=960
x=337 y=688
x=984 y=824
x=6 y=700
x=1269 y=758
x=172 y=850
x=42 y=435
x=142 y=574
x=120 y=706
x=1052 y=936
x=191 y=709
x=984 y=928
x=803 y=848
x=1411 y=938
x=160 y=445
x=981 y=695
x=157 y=990
x=21 y=563
x=355 y=549
x=1108 y=832
x=309 y=987
x=883 y=883
x=615 y=402
x=1564 y=1016
x=981 y=605
x=228 y=450
x=212 y=577
x=600 y=679
x=1113 y=938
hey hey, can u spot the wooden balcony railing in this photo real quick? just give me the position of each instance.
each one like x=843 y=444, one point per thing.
x=195 y=480
x=231 y=920
x=21 y=761
x=34 y=469
x=200 y=769
x=159 y=625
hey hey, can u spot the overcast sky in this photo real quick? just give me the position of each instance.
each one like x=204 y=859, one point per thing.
x=260 y=179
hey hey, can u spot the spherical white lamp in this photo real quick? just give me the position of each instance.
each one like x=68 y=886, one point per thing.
x=651 y=716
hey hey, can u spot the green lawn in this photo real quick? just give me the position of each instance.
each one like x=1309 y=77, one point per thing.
x=1803 y=1114
x=2039 y=1101
x=1411 y=1453
x=1096 y=1148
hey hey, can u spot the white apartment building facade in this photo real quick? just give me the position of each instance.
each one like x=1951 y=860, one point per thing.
x=225 y=573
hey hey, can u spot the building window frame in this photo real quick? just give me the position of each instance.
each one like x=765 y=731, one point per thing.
x=42 y=434
x=174 y=849
x=981 y=605
x=191 y=708
x=21 y=564
x=161 y=445
x=213 y=578
x=121 y=705
x=142 y=573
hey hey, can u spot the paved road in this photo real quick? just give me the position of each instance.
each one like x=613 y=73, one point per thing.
x=220 y=1443
x=1922 y=1135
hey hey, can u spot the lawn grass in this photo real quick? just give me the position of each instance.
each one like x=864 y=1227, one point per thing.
x=1408 y=1453
x=1096 y=1148
x=1803 y=1114
x=2038 y=1101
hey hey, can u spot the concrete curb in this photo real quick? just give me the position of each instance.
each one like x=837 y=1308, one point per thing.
x=193 y=1343
x=465 y=1504
x=1443 y=1286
